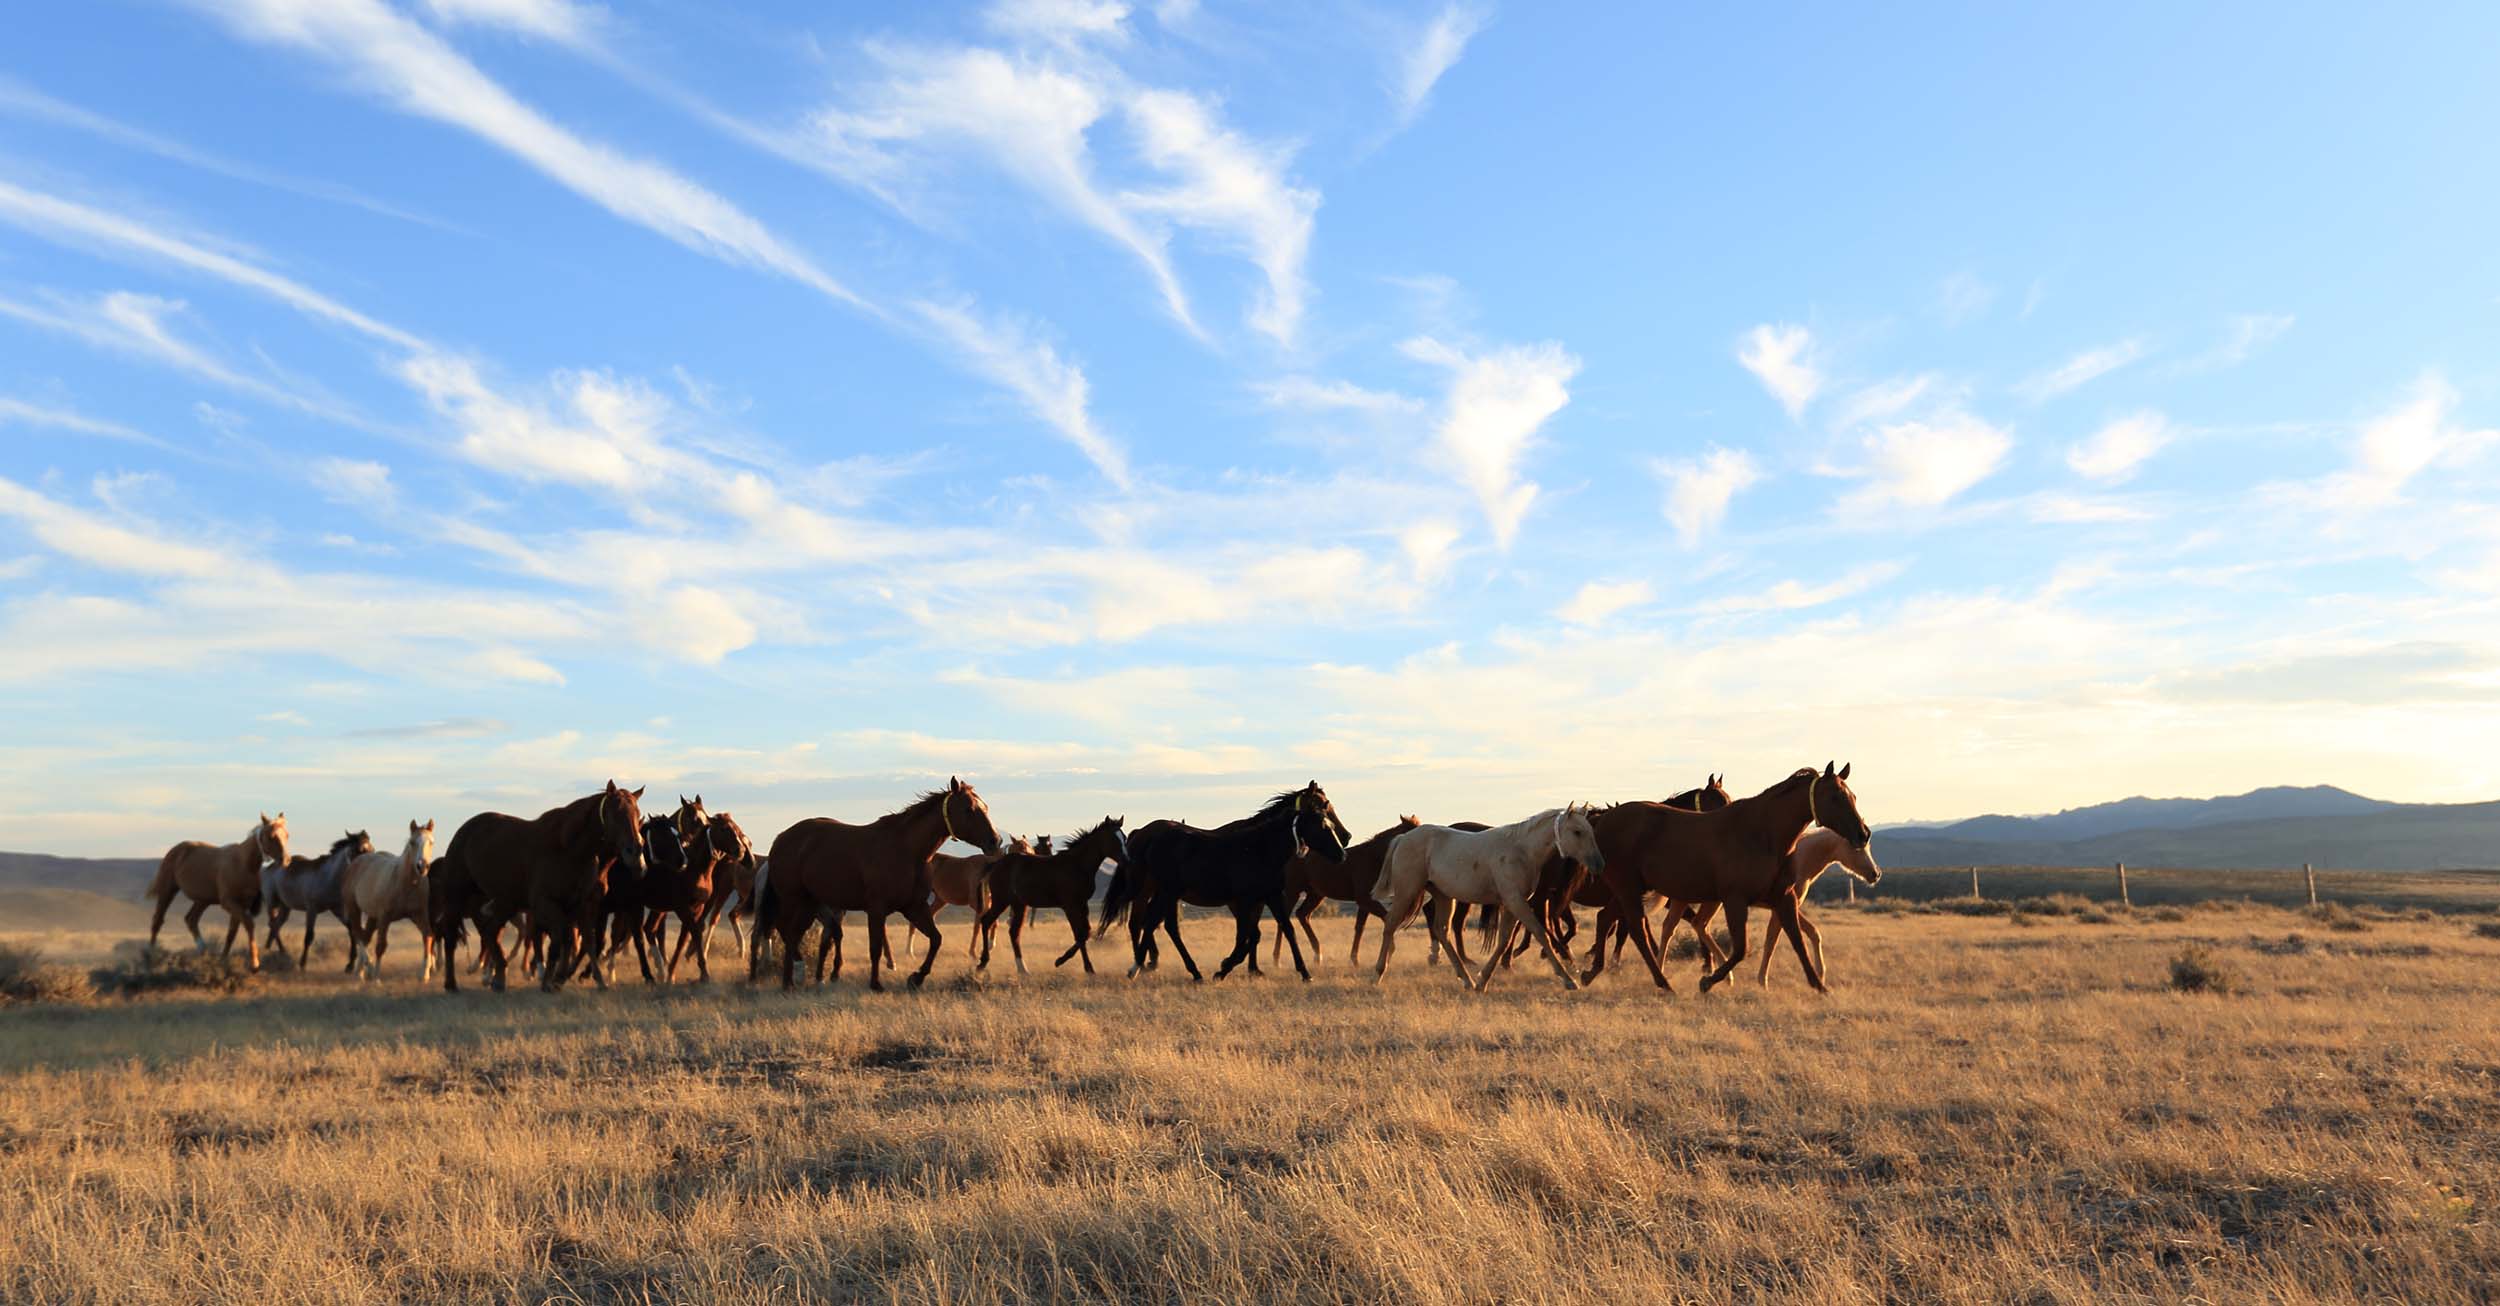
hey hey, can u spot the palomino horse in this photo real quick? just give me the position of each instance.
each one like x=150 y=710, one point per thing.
x=1064 y=879
x=1818 y=850
x=1309 y=879
x=1501 y=866
x=825 y=867
x=313 y=885
x=554 y=866
x=214 y=875
x=1736 y=857
x=383 y=888
x=1239 y=866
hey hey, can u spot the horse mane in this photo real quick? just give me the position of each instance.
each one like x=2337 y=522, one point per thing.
x=1281 y=801
x=339 y=843
x=1082 y=832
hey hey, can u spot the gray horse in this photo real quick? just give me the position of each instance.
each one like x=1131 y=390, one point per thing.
x=313 y=885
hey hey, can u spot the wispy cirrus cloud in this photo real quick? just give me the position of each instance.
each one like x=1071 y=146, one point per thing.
x=1924 y=464
x=2080 y=370
x=2394 y=448
x=1598 y=600
x=1792 y=595
x=1432 y=53
x=2119 y=449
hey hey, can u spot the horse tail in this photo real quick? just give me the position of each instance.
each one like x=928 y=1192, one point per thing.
x=1116 y=899
x=1382 y=885
x=163 y=884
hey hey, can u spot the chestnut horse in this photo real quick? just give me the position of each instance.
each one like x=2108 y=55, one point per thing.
x=1818 y=850
x=1027 y=881
x=215 y=875
x=1736 y=857
x=313 y=885
x=387 y=887
x=1310 y=878
x=554 y=866
x=822 y=867
x=961 y=882
x=1560 y=892
x=733 y=887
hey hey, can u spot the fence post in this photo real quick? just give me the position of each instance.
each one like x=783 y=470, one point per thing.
x=1853 y=887
x=1974 y=883
x=2123 y=899
x=2310 y=873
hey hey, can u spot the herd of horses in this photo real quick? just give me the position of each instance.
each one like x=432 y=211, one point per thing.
x=585 y=880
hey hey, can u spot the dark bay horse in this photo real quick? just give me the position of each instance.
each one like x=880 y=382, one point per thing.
x=554 y=866
x=1028 y=881
x=313 y=885
x=219 y=875
x=1736 y=857
x=1311 y=878
x=822 y=867
x=629 y=901
x=1239 y=866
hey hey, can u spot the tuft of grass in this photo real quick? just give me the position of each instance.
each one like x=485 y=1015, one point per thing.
x=2092 y=916
x=2198 y=969
x=2337 y=916
x=1974 y=906
x=159 y=970
x=2487 y=929
x=2169 y=915
x=25 y=976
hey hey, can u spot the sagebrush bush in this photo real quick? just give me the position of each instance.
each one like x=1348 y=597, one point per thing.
x=159 y=970
x=2487 y=929
x=2337 y=916
x=2198 y=969
x=26 y=977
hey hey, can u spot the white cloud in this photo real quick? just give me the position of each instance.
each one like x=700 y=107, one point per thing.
x=124 y=547
x=701 y=624
x=2088 y=366
x=22 y=413
x=1598 y=600
x=1060 y=20
x=1698 y=493
x=555 y=20
x=1791 y=596
x=354 y=482
x=2246 y=334
x=1923 y=464
x=1052 y=388
x=1307 y=394
x=2117 y=450
x=1497 y=402
x=401 y=62
x=1225 y=185
x=2399 y=445
x=1435 y=51
x=1888 y=398
x=1781 y=357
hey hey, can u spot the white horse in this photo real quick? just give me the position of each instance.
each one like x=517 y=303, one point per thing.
x=387 y=887
x=1495 y=868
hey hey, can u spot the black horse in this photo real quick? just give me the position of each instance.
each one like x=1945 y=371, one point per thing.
x=1239 y=866
x=1065 y=880
x=629 y=899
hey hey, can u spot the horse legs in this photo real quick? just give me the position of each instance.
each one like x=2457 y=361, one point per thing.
x=164 y=902
x=1631 y=915
x=984 y=929
x=1736 y=911
x=1081 y=927
x=922 y=918
x=880 y=952
x=1437 y=915
x=378 y=941
x=792 y=928
x=242 y=920
x=1284 y=926
x=1015 y=937
x=1784 y=910
x=1518 y=909
x=1815 y=937
x=1245 y=940
x=688 y=928
x=304 y=958
x=830 y=943
x=1169 y=913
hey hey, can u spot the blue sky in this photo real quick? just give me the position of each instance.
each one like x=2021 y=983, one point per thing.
x=413 y=408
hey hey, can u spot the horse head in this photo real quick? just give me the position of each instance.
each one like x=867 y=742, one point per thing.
x=1835 y=806
x=664 y=850
x=418 y=857
x=690 y=816
x=269 y=837
x=619 y=829
x=1576 y=838
x=1315 y=823
x=967 y=817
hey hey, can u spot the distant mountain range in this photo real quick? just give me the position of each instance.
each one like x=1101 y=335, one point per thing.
x=2276 y=827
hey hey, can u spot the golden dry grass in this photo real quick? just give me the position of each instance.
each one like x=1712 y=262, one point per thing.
x=1988 y=1109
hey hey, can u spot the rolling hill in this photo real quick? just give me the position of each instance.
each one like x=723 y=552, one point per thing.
x=2275 y=827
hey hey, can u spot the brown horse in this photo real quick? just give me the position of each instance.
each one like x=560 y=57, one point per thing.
x=822 y=867
x=1736 y=857
x=1817 y=851
x=1026 y=881
x=963 y=882
x=554 y=866
x=733 y=887
x=1562 y=892
x=214 y=875
x=1311 y=878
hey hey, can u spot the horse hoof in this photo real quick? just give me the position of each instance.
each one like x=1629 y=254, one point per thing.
x=916 y=981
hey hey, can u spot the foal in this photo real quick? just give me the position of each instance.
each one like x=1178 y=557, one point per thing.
x=1064 y=879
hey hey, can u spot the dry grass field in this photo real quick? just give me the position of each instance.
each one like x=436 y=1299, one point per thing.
x=2004 y=1108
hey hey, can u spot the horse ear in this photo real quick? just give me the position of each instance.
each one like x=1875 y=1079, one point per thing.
x=1827 y=768
x=1844 y=769
x=264 y=818
x=638 y=793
